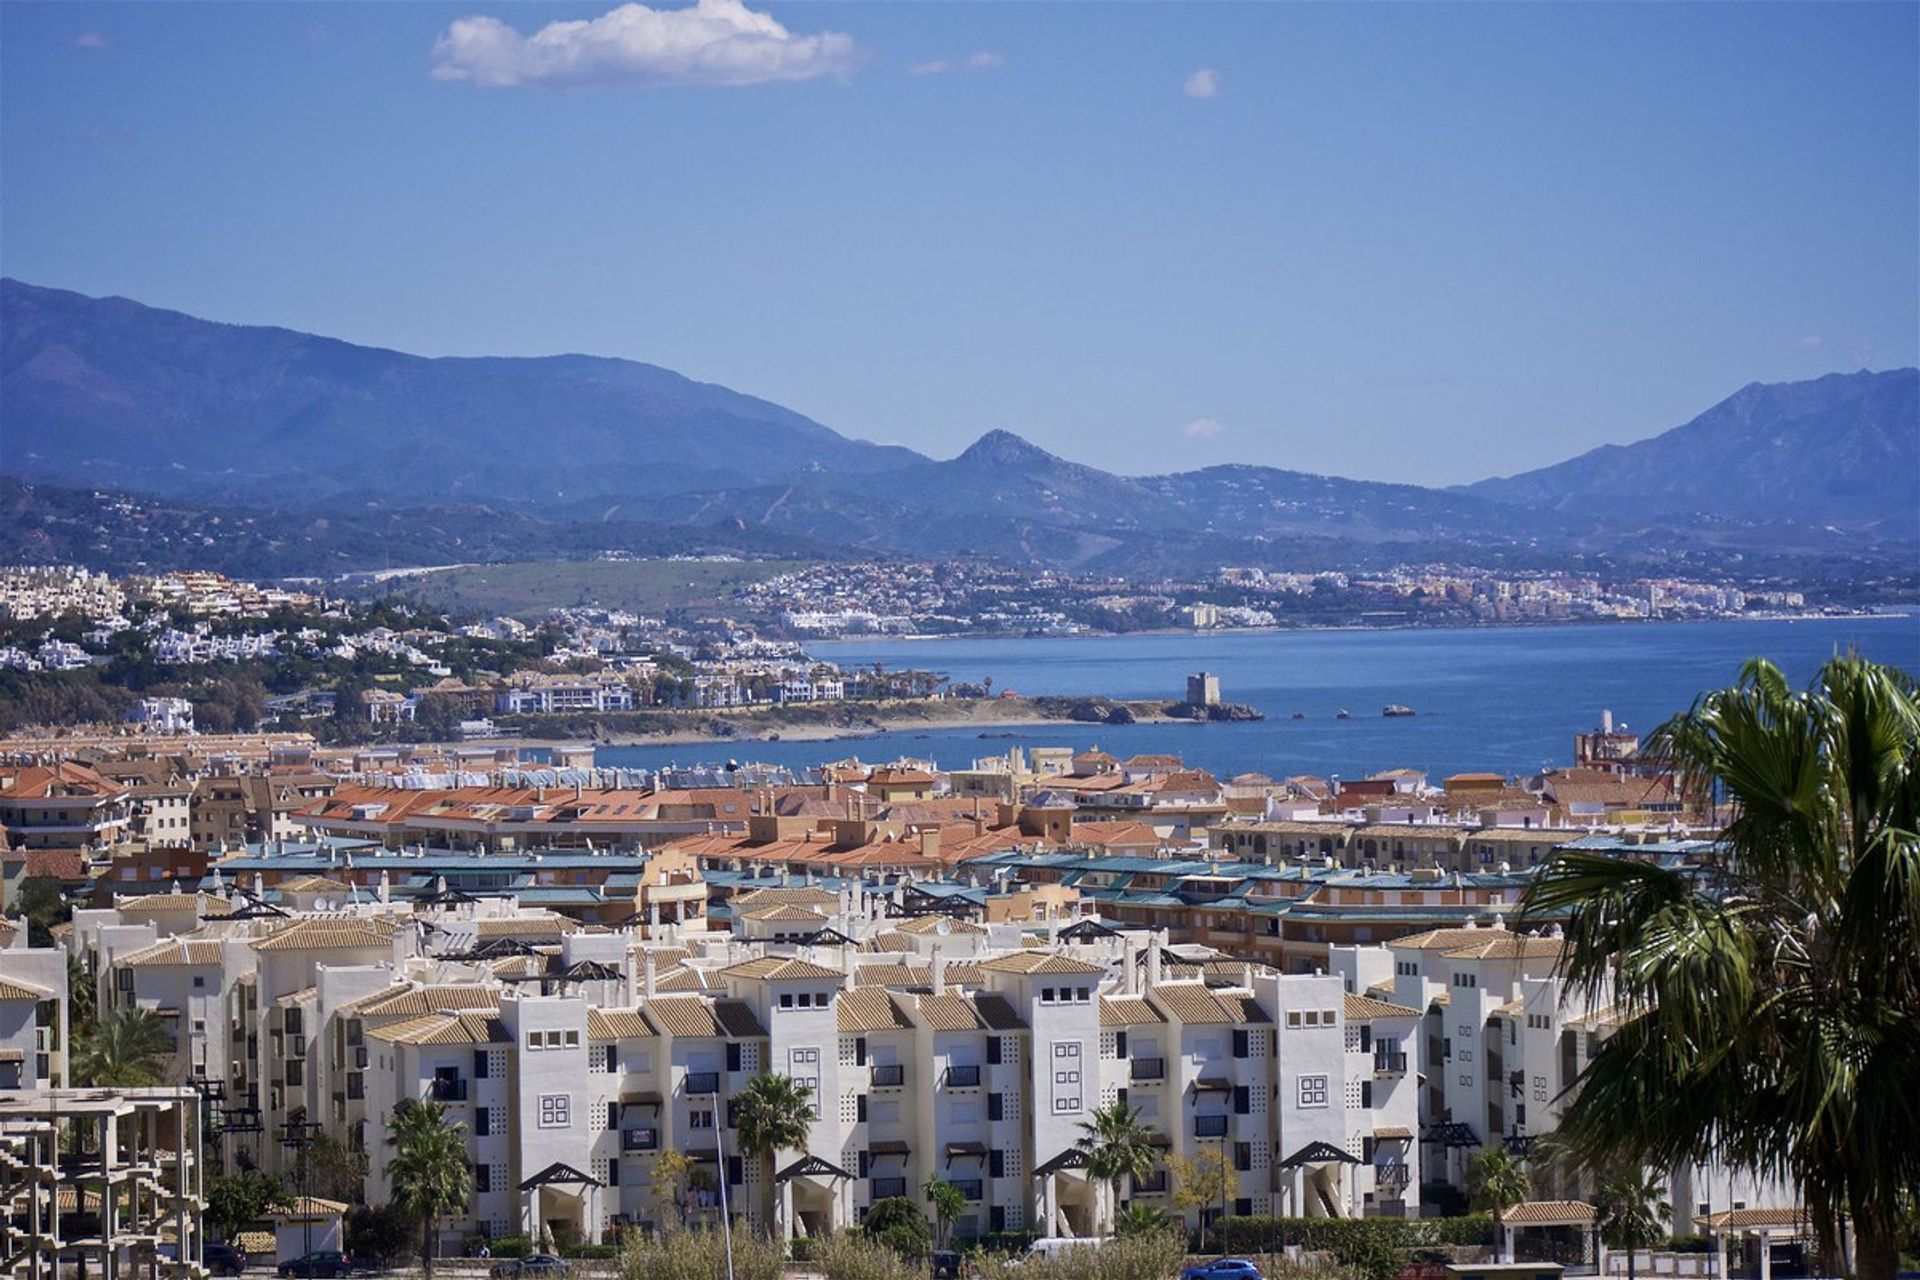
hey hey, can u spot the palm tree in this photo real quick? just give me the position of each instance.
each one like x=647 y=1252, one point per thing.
x=1772 y=998
x=1117 y=1148
x=129 y=1048
x=1497 y=1183
x=429 y=1173
x=773 y=1113
x=1632 y=1212
x=948 y=1203
x=1139 y=1220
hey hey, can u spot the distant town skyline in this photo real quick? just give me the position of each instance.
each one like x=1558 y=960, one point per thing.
x=1425 y=244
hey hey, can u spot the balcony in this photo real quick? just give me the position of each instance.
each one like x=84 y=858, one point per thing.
x=1147 y=1070
x=963 y=1077
x=892 y=1076
x=639 y=1139
x=886 y=1188
x=1154 y=1184
x=1210 y=1126
x=1389 y=1064
x=447 y=1089
x=703 y=1082
x=1391 y=1177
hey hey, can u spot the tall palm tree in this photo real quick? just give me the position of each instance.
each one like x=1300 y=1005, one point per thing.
x=1632 y=1212
x=773 y=1113
x=1497 y=1182
x=1117 y=1148
x=128 y=1048
x=1773 y=998
x=429 y=1173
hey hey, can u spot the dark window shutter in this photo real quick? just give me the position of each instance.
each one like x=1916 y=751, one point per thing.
x=860 y=1052
x=1120 y=1044
x=733 y=1056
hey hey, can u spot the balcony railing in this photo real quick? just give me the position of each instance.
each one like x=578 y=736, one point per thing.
x=639 y=1139
x=703 y=1082
x=887 y=1188
x=963 y=1077
x=1147 y=1069
x=446 y=1090
x=1390 y=1177
x=1210 y=1126
x=1389 y=1064
x=890 y=1076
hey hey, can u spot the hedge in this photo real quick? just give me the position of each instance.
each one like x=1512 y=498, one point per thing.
x=1336 y=1235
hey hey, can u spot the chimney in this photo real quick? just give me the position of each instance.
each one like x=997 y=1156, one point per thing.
x=386 y=885
x=937 y=972
x=647 y=977
x=1153 y=960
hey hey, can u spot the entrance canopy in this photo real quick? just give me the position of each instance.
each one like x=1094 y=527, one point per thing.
x=811 y=1166
x=560 y=1175
x=1319 y=1153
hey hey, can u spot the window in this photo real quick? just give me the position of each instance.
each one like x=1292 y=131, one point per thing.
x=1293 y=1017
x=556 y=1110
x=860 y=1108
x=199 y=982
x=993 y=1051
x=573 y=1039
x=1046 y=995
x=1366 y=1093
x=786 y=1000
x=860 y=1052
x=996 y=1163
x=1242 y=1100
x=1313 y=1091
x=613 y=1115
x=483 y=1178
x=482 y=1122
x=1313 y=1017
x=613 y=1173
x=1243 y=1156
x=996 y=1106
x=1242 y=1045
x=1119 y=1044
x=701 y=1119
x=733 y=1056
x=553 y=1039
x=480 y=1064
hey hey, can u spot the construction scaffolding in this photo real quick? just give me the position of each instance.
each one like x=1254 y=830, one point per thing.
x=101 y=1184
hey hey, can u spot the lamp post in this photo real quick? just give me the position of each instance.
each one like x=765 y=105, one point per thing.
x=297 y=1136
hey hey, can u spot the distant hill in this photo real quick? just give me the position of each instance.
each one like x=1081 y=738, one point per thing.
x=1843 y=450
x=342 y=456
x=106 y=391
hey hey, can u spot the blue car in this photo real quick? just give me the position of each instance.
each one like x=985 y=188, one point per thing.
x=1222 y=1269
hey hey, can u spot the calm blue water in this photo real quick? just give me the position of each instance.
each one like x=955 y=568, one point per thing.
x=1508 y=699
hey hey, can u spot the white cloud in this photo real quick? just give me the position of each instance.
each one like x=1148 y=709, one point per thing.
x=1811 y=341
x=1201 y=429
x=1204 y=83
x=985 y=60
x=92 y=40
x=716 y=42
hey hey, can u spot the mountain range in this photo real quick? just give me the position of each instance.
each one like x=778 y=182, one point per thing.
x=108 y=393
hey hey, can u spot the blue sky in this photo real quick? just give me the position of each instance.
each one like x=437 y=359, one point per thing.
x=1422 y=243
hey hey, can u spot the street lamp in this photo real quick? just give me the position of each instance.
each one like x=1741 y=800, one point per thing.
x=297 y=1135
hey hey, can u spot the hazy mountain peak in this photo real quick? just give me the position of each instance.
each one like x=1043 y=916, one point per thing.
x=1001 y=448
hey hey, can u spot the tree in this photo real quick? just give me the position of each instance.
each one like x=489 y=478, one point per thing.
x=330 y=1169
x=773 y=1113
x=1631 y=1212
x=1772 y=999
x=83 y=998
x=1497 y=1182
x=948 y=1203
x=898 y=1223
x=1139 y=1220
x=668 y=1180
x=1117 y=1149
x=1202 y=1183
x=236 y=1201
x=42 y=902
x=129 y=1048
x=377 y=1234
x=429 y=1172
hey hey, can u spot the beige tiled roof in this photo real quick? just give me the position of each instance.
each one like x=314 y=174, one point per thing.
x=934 y=926
x=949 y=1011
x=680 y=979
x=1194 y=1003
x=1366 y=1009
x=1040 y=962
x=518 y=967
x=206 y=904
x=804 y=897
x=1510 y=947
x=329 y=933
x=1389 y=1132
x=174 y=951
x=11 y=990
x=313 y=884
x=692 y=1016
x=1445 y=939
x=869 y=1009
x=414 y=1002
x=308 y=1207
x=784 y=913
x=445 y=1028
x=914 y=975
x=780 y=969
x=617 y=1024
x=997 y=1013
x=1547 y=1213
x=1752 y=1219
x=887 y=940
x=524 y=928
x=1127 y=1011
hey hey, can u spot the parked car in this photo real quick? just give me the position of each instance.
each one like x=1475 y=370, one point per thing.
x=535 y=1266
x=322 y=1264
x=1047 y=1246
x=945 y=1264
x=223 y=1259
x=1222 y=1269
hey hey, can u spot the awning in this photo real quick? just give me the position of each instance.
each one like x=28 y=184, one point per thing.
x=559 y=1174
x=1213 y=1084
x=891 y=1147
x=1452 y=1133
x=811 y=1166
x=959 y=1149
x=1159 y=1140
x=1071 y=1158
x=1318 y=1153
x=648 y=1098
x=1392 y=1133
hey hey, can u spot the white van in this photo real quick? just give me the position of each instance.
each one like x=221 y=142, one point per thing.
x=1048 y=1246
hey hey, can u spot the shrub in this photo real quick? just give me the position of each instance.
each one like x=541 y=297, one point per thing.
x=1332 y=1235
x=850 y=1256
x=803 y=1248
x=699 y=1255
x=898 y=1223
x=379 y=1234
x=1005 y=1241
x=1146 y=1257
x=508 y=1246
x=591 y=1252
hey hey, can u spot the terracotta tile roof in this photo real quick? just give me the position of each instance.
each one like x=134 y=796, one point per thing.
x=329 y=933
x=518 y=967
x=1442 y=939
x=1389 y=1132
x=308 y=1207
x=525 y=928
x=997 y=1013
x=869 y=1009
x=914 y=975
x=313 y=884
x=781 y=969
x=414 y=1002
x=949 y=1011
x=56 y=864
x=206 y=904
x=680 y=979
x=65 y=778
x=1548 y=1213
x=1510 y=947
x=174 y=951
x=12 y=990
x=1366 y=1009
x=890 y=940
x=807 y=896
x=445 y=1028
x=939 y=926
x=617 y=1024
x=1752 y=1219
x=688 y=1016
x=1127 y=1011
x=1197 y=1004
x=783 y=913
x=1040 y=962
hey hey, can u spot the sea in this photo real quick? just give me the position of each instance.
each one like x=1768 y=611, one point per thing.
x=1507 y=699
